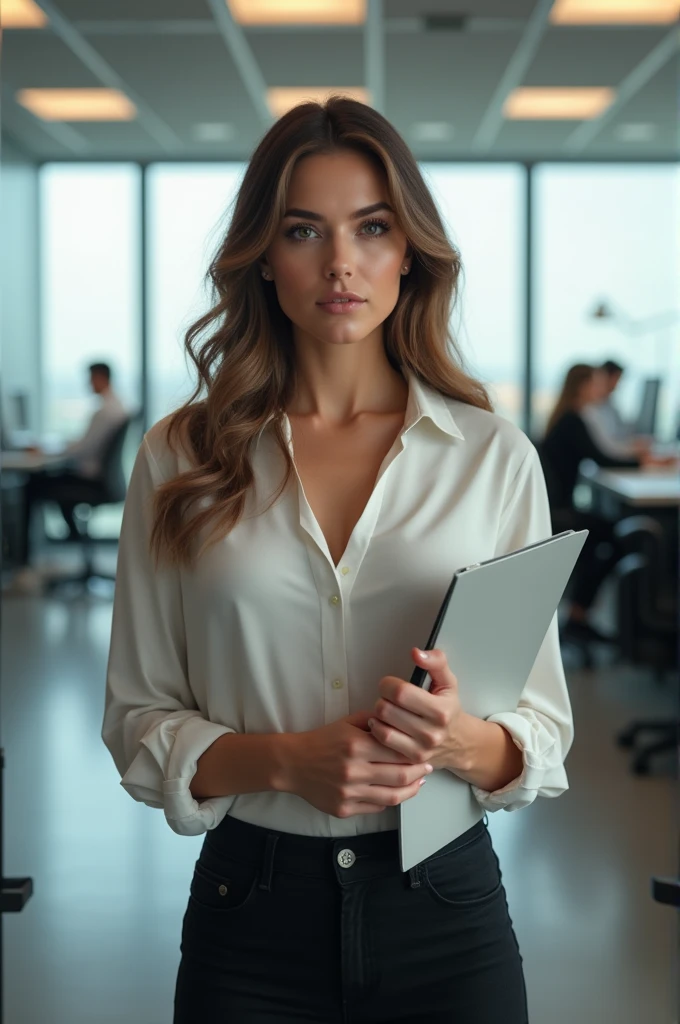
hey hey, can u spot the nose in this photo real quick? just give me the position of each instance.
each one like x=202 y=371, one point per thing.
x=339 y=263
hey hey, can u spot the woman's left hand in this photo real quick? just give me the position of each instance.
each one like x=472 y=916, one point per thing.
x=425 y=726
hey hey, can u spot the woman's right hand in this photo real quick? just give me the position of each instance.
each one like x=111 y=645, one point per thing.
x=342 y=770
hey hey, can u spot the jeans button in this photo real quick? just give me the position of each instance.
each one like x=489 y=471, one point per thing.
x=346 y=858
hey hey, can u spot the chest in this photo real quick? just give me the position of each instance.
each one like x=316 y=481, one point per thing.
x=338 y=471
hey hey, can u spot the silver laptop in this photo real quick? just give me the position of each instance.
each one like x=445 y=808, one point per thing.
x=491 y=626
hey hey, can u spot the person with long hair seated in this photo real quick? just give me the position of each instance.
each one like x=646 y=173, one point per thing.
x=288 y=534
x=567 y=443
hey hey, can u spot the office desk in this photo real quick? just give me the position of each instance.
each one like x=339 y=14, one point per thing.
x=29 y=462
x=17 y=467
x=638 y=488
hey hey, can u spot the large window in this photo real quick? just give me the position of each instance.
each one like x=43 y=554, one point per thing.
x=484 y=211
x=608 y=234
x=603 y=234
x=188 y=213
x=90 y=274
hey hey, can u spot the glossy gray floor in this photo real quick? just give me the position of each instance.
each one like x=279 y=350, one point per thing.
x=99 y=941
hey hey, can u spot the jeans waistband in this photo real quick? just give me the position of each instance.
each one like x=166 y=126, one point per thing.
x=349 y=858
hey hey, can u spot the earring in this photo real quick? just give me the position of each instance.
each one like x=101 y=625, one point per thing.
x=405 y=270
x=265 y=275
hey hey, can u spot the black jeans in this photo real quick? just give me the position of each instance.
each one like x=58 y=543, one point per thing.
x=278 y=929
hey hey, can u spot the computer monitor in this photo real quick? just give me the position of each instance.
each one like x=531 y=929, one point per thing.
x=19 y=402
x=646 y=420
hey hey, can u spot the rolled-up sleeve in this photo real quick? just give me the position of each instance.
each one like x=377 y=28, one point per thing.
x=542 y=726
x=152 y=726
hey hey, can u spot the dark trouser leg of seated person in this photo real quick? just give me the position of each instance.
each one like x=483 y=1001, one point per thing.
x=33 y=495
x=67 y=509
x=594 y=564
x=66 y=489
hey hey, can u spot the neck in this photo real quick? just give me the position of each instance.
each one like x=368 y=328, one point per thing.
x=336 y=384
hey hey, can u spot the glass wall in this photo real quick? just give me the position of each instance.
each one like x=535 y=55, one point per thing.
x=90 y=262
x=483 y=207
x=189 y=208
x=608 y=234
x=90 y=287
x=603 y=234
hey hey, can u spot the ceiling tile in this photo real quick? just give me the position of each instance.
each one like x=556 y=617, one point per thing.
x=39 y=60
x=184 y=80
x=586 y=56
x=444 y=77
x=309 y=58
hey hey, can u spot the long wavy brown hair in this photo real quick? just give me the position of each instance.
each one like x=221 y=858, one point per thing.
x=242 y=348
x=569 y=397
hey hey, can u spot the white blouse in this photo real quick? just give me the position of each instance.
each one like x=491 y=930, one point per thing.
x=266 y=635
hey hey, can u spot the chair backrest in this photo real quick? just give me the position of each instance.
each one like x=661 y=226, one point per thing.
x=112 y=474
x=642 y=641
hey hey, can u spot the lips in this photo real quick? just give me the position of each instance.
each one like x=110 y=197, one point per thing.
x=341 y=297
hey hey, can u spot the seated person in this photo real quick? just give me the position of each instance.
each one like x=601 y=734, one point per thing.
x=70 y=486
x=567 y=443
x=607 y=427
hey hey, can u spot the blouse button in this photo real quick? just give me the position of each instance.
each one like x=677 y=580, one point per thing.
x=334 y=599
x=337 y=684
x=344 y=570
x=223 y=890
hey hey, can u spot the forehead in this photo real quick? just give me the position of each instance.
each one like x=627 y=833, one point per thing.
x=336 y=180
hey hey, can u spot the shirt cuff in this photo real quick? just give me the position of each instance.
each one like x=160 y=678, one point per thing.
x=174 y=752
x=542 y=771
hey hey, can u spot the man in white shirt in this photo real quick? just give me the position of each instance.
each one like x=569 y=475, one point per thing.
x=74 y=485
x=608 y=429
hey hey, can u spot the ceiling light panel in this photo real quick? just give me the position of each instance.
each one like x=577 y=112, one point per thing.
x=21 y=14
x=615 y=12
x=77 y=104
x=298 y=12
x=543 y=104
x=281 y=99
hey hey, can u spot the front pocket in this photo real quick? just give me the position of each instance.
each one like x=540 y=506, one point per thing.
x=467 y=877
x=223 y=891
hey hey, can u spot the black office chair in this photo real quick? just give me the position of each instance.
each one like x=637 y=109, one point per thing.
x=648 y=615
x=109 y=489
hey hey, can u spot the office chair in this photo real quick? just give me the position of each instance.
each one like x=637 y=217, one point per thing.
x=109 y=489
x=648 y=629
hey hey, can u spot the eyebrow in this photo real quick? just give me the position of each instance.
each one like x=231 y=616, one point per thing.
x=363 y=212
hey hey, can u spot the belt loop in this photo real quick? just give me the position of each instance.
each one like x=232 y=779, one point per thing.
x=414 y=875
x=268 y=862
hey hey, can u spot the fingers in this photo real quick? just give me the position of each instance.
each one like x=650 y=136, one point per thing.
x=389 y=796
x=395 y=776
x=398 y=741
x=376 y=752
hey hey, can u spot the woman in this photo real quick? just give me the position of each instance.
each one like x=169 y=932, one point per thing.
x=567 y=443
x=287 y=534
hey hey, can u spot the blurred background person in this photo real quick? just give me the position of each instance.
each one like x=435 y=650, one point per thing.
x=80 y=477
x=610 y=431
x=568 y=441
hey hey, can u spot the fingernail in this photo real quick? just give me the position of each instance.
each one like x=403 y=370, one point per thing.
x=423 y=654
x=371 y=723
x=422 y=782
x=429 y=768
